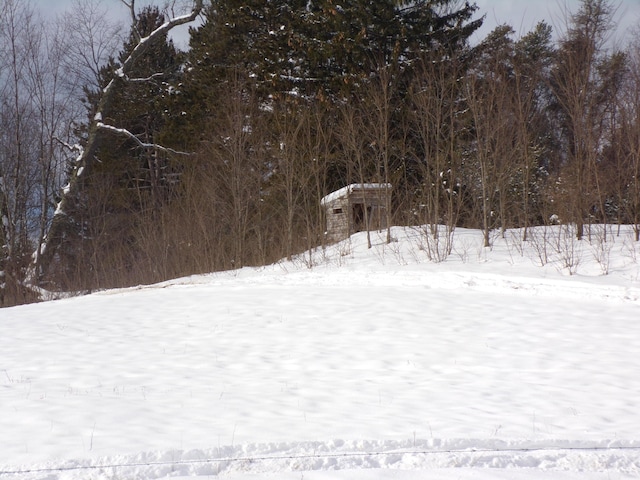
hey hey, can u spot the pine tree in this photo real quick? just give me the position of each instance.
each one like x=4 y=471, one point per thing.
x=129 y=183
x=311 y=48
x=361 y=37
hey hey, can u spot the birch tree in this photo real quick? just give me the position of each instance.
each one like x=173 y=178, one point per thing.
x=86 y=152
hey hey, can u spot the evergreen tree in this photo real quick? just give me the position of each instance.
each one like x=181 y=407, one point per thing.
x=360 y=37
x=129 y=183
x=316 y=47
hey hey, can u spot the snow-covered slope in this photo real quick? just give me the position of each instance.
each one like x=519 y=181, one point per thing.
x=511 y=362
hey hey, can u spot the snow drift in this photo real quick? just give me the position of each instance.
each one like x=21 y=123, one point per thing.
x=509 y=362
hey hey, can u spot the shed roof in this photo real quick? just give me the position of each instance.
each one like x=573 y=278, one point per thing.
x=347 y=190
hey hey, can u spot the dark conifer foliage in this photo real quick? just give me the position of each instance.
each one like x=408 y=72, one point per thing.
x=129 y=183
x=360 y=37
x=217 y=157
x=312 y=47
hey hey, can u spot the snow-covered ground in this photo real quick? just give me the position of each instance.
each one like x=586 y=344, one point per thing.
x=516 y=362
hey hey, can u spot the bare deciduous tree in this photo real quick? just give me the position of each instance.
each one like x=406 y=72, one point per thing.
x=353 y=139
x=577 y=83
x=91 y=39
x=627 y=142
x=380 y=98
x=37 y=108
x=437 y=124
x=532 y=60
x=488 y=94
x=236 y=151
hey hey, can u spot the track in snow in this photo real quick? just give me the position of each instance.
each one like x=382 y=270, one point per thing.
x=623 y=458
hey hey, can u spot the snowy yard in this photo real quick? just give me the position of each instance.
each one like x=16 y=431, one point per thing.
x=373 y=364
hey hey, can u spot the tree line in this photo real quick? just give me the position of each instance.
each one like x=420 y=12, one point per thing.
x=124 y=160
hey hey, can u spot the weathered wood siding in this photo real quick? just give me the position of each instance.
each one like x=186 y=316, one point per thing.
x=354 y=208
x=337 y=213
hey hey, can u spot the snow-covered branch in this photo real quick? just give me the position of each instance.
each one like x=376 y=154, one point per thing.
x=76 y=147
x=161 y=30
x=147 y=79
x=131 y=136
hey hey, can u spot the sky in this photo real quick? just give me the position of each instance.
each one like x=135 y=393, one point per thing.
x=522 y=15
x=116 y=9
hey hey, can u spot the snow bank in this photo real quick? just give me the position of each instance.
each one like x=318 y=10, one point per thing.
x=370 y=364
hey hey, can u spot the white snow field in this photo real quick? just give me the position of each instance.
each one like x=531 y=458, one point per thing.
x=373 y=364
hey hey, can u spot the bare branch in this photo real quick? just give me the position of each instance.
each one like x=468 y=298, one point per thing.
x=132 y=11
x=90 y=39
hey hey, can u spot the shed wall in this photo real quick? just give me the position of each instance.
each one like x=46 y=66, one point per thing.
x=349 y=209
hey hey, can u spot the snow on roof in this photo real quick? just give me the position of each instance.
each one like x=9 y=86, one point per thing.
x=344 y=191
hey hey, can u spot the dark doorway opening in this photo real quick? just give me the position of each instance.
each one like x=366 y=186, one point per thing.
x=359 y=218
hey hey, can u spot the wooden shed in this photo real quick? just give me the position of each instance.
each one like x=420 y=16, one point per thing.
x=355 y=207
